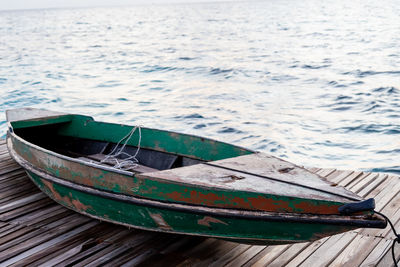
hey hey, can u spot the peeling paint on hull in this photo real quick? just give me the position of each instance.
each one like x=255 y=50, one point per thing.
x=148 y=218
x=173 y=190
x=239 y=226
x=202 y=200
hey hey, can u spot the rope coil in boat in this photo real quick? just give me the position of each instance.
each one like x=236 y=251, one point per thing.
x=131 y=161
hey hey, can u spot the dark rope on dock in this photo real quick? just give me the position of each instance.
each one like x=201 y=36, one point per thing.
x=396 y=240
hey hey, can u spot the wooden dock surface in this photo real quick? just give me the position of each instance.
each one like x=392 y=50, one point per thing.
x=34 y=231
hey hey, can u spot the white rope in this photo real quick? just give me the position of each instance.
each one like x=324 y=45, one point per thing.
x=131 y=161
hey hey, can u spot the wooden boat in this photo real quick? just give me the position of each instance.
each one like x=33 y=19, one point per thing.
x=183 y=184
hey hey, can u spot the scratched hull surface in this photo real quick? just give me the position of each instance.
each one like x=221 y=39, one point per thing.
x=184 y=184
x=148 y=217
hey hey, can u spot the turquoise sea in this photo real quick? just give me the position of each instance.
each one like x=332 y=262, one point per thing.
x=314 y=82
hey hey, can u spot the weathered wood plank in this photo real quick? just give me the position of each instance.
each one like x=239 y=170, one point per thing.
x=361 y=247
x=113 y=250
x=107 y=239
x=64 y=254
x=374 y=184
x=386 y=194
x=48 y=238
x=325 y=172
x=9 y=229
x=338 y=176
x=12 y=175
x=9 y=168
x=353 y=179
x=21 y=202
x=377 y=253
x=56 y=253
x=288 y=255
x=7 y=162
x=313 y=169
x=356 y=252
x=18 y=196
x=35 y=216
x=359 y=184
x=329 y=250
x=7 y=184
x=386 y=185
x=174 y=253
x=232 y=256
x=351 y=258
x=4 y=156
x=306 y=252
x=228 y=256
x=136 y=260
x=202 y=250
x=142 y=252
x=395 y=218
x=24 y=186
x=183 y=243
x=14 y=213
x=270 y=254
x=387 y=259
x=247 y=255
x=21 y=252
x=3 y=149
x=219 y=251
x=19 y=236
x=391 y=210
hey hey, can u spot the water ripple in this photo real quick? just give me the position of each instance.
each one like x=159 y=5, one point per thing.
x=318 y=86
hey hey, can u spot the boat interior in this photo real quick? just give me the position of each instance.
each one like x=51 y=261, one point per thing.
x=47 y=137
x=233 y=175
x=148 y=160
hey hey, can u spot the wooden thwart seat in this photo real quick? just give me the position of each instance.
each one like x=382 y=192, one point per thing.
x=97 y=158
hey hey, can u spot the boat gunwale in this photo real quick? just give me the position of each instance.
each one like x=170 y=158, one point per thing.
x=64 y=157
x=93 y=164
x=146 y=175
x=110 y=169
x=351 y=221
x=11 y=129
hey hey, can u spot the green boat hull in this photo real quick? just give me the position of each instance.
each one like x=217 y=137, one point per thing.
x=226 y=209
x=125 y=211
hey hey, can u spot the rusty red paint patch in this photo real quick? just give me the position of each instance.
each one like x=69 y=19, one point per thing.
x=320 y=209
x=197 y=198
x=260 y=203
x=69 y=201
x=268 y=204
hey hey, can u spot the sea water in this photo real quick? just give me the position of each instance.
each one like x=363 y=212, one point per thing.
x=314 y=82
